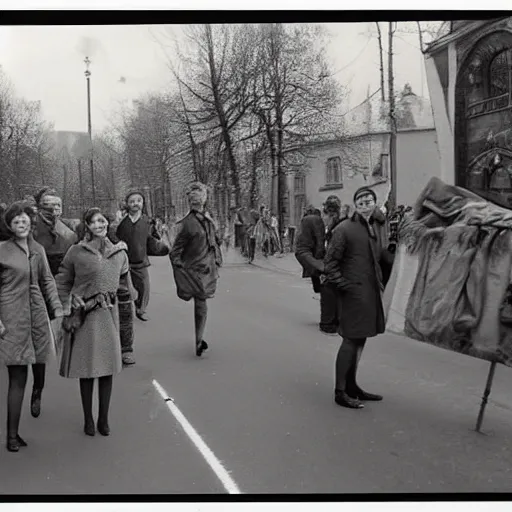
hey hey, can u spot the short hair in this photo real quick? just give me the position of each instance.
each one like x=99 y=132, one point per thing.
x=45 y=191
x=332 y=205
x=16 y=209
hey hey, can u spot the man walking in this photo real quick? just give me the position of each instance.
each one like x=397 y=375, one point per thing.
x=353 y=267
x=135 y=231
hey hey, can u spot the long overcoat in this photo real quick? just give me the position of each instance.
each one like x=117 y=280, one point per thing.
x=85 y=272
x=353 y=264
x=196 y=257
x=28 y=300
x=310 y=245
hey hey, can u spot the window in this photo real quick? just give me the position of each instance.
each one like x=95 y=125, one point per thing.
x=299 y=184
x=499 y=74
x=333 y=172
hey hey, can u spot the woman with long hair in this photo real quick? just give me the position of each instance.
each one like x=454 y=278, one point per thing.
x=195 y=258
x=92 y=273
x=27 y=295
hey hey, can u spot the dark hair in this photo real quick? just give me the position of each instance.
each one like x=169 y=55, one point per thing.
x=18 y=208
x=45 y=191
x=332 y=205
x=90 y=213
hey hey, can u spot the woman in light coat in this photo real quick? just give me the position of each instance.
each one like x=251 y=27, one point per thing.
x=92 y=273
x=27 y=294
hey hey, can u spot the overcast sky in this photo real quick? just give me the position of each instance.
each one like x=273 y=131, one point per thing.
x=46 y=63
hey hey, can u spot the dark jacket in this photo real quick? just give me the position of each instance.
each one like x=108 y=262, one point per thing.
x=195 y=257
x=310 y=246
x=353 y=266
x=56 y=238
x=137 y=236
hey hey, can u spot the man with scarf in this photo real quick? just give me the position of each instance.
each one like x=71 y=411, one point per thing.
x=56 y=238
x=358 y=248
x=195 y=258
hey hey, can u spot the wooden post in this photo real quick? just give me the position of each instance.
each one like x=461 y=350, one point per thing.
x=485 y=397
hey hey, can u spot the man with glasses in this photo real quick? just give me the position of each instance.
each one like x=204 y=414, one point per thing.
x=358 y=248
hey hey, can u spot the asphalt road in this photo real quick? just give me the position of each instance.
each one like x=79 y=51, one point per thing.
x=261 y=400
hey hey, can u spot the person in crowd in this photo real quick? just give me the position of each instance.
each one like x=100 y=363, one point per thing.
x=28 y=301
x=310 y=247
x=250 y=235
x=135 y=230
x=262 y=231
x=125 y=300
x=275 y=242
x=329 y=315
x=56 y=237
x=195 y=258
x=5 y=233
x=91 y=275
x=352 y=267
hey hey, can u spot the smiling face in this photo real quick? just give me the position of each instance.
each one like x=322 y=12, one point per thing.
x=98 y=226
x=20 y=226
x=135 y=203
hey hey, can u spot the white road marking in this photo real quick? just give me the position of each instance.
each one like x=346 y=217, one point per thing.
x=217 y=467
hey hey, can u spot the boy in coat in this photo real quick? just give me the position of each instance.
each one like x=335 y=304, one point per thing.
x=358 y=248
x=135 y=231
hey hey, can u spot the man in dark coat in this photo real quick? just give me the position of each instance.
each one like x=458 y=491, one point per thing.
x=310 y=251
x=56 y=237
x=195 y=258
x=353 y=265
x=135 y=231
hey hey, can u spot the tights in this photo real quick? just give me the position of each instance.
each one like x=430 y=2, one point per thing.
x=38 y=371
x=200 y=314
x=17 y=382
x=347 y=362
x=104 y=393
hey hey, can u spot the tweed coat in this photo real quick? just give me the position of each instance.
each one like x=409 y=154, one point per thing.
x=85 y=272
x=28 y=301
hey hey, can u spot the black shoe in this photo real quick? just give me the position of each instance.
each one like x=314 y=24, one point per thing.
x=341 y=398
x=142 y=316
x=103 y=429
x=21 y=442
x=359 y=394
x=89 y=429
x=13 y=444
x=35 y=403
x=201 y=347
x=330 y=331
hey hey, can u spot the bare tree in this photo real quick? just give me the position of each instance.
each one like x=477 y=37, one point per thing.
x=215 y=78
x=295 y=92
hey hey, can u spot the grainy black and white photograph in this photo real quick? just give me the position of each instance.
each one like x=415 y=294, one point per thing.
x=260 y=256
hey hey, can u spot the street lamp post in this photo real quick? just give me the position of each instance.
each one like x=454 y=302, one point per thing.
x=89 y=126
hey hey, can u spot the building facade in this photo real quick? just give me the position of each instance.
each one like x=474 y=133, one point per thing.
x=469 y=72
x=361 y=158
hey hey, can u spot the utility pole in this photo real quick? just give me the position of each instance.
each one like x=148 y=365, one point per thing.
x=392 y=120
x=65 y=187
x=81 y=183
x=89 y=125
